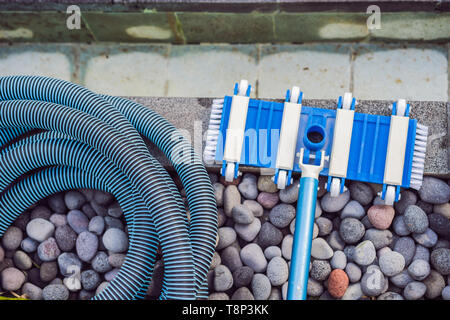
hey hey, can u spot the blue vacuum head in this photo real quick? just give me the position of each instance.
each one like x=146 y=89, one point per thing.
x=388 y=150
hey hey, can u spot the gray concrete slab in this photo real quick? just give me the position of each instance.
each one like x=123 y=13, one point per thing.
x=173 y=24
x=192 y=116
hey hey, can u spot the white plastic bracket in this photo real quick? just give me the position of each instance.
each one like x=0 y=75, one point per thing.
x=288 y=136
x=395 y=156
x=236 y=128
x=342 y=137
x=310 y=170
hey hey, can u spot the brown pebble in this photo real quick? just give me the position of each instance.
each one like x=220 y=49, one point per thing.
x=268 y=200
x=337 y=283
x=12 y=279
x=235 y=182
x=381 y=216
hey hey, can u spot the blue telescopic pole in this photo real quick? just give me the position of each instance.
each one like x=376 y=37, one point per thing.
x=301 y=250
x=304 y=224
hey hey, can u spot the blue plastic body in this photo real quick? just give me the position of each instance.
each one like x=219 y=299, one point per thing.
x=366 y=162
x=367 y=149
x=301 y=248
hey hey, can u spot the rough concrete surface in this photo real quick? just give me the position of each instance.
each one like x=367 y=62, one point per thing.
x=192 y=116
x=177 y=26
x=231 y=5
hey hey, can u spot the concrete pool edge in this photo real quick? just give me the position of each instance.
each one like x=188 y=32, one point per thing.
x=192 y=116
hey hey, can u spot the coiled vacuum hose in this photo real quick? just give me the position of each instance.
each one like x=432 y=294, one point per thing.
x=93 y=141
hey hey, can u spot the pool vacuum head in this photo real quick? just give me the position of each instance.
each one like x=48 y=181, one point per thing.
x=341 y=144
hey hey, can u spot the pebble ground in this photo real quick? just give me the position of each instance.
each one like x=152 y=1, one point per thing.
x=68 y=246
x=362 y=249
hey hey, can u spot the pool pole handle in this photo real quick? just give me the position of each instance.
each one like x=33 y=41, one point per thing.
x=304 y=225
x=301 y=249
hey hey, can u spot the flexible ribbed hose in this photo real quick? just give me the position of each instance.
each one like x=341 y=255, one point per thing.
x=94 y=141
